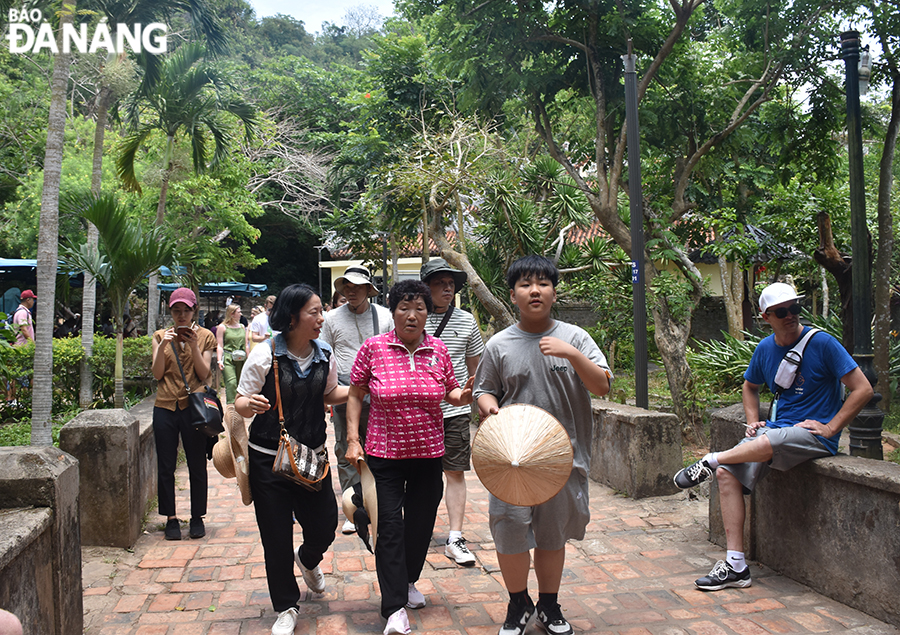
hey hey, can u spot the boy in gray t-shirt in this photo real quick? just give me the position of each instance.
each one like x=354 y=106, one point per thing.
x=555 y=366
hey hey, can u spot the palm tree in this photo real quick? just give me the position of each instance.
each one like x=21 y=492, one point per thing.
x=48 y=246
x=128 y=255
x=187 y=97
x=128 y=12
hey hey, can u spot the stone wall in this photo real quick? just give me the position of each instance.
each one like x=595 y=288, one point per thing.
x=117 y=455
x=635 y=451
x=40 y=554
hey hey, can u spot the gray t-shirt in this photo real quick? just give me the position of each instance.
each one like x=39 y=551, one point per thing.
x=514 y=370
x=463 y=339
x=346 y=331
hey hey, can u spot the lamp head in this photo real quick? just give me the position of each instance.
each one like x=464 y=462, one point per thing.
x=865 y=70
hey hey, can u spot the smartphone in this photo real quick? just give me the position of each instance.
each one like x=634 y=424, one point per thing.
x=184 y=331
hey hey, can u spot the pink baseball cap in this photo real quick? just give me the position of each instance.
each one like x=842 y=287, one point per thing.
x=28 y=293
x=183 y=294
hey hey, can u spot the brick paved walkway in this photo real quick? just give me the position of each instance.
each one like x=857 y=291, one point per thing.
x=632 y=575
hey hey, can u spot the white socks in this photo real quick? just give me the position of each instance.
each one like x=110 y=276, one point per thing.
x=712 y=459
x=736 y=560
x=454 y=536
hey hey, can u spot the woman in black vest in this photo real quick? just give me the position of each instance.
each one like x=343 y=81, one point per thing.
x=307 y=379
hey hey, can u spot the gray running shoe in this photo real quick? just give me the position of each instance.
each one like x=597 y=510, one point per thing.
x=723 y=576
x=693 y=475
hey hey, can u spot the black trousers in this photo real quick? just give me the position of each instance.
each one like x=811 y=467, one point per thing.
x=409 y=492
x=167 y=426
x=277 y=502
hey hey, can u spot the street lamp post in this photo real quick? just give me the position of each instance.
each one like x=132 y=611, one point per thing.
x=636 y=197
x=865 y=430
x=319 y=249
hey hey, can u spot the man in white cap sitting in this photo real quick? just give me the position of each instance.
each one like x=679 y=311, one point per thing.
x=804 y=422
x=345 y=330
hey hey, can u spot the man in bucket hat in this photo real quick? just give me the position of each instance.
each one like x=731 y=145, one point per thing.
x=345 y=330
x=459 y=331
x=804 y=422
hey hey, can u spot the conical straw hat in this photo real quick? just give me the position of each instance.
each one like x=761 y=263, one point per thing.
x=522 y=455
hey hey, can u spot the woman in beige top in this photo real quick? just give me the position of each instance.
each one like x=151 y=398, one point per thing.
x=194 y=345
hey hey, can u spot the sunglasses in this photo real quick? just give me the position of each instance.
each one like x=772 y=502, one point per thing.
x=781 y=312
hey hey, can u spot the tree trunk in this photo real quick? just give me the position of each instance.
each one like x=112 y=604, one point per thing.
x=89 y=292
x=733 y=295
x=153 y=283
x=426 y=252
x=48 y=246
x=671 y=340
x=826 y=300
x=882 y=331
x=119 y=382
x=502 y=317
x=837 y=265
x=395 y=258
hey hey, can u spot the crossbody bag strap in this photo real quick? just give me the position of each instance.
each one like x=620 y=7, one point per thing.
x=375 y=325
x=797 y=349
x=443 y=324
x=187 y=387
x=277 y=388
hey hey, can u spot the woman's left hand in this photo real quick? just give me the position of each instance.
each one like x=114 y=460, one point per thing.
x=461 y=396
x=467 y=391
x=187 y=336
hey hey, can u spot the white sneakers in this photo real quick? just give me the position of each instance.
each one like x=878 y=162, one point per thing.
x=314 y=578
x=286 y=622
x=397 y=624
x=459 y=552
x=348 y=527
x=415 y=599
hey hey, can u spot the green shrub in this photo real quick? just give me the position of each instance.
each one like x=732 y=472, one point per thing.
x=721 y=364
x=17 y=364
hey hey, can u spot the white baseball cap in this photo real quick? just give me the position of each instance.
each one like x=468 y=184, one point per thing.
x=777 y=293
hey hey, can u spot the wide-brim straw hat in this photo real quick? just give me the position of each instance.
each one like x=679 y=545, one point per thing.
x=522 y=455
x=358 y=276
x=230 y=454
x=370 y=500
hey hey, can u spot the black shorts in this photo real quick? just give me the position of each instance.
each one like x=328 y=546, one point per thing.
x=457 y=444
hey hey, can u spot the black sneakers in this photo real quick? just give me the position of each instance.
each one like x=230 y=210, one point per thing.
x=173 y=529
x=552 y=620
x=517 y=618
x=693 y=475
x=197 y=529
x=723 y=576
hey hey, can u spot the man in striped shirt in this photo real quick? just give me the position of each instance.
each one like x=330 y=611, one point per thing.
x=459 y=331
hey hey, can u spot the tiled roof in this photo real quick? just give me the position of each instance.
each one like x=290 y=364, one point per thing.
x=407 y=248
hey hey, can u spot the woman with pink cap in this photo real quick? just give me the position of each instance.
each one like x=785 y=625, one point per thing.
x=194 y=346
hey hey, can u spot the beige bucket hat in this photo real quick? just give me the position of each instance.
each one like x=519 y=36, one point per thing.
x=356 y=275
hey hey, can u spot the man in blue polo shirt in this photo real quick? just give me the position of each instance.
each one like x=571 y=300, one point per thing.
x=807 y=419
